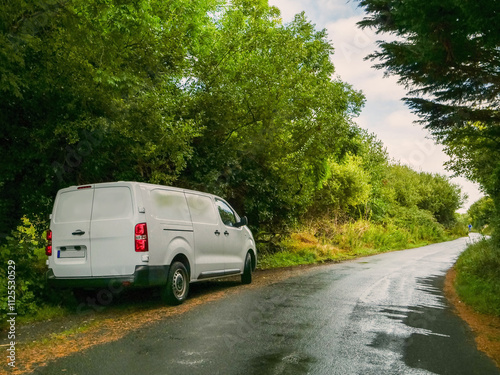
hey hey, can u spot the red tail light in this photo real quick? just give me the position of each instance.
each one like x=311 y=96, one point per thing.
x=48 y=248
x=141 y=237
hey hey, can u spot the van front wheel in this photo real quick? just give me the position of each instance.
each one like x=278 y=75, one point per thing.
x=176 y=290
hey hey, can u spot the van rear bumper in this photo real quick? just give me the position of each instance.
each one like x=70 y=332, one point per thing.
x=144 y=276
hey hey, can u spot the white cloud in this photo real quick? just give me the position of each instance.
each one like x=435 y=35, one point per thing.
x=400 y=119
x=320 y=12
x=471 y=189
x=350 y=41
x=288 y=8
x=352 y=45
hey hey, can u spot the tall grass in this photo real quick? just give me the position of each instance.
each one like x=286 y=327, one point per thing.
x=478 y=276
x=324 y=240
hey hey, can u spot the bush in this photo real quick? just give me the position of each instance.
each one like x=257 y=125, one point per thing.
x=478 y=277
x=420 y=224
x=481 y=213
x=459 y=228
x=26 y=248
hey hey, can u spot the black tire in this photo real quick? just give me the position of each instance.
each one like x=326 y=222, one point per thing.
x=176 y=290
x=246 y=276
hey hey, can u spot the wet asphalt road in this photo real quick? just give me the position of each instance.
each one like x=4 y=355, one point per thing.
x=384 y=314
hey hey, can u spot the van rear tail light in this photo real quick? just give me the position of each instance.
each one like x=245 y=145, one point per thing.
x=141 y=237
x=48 y=248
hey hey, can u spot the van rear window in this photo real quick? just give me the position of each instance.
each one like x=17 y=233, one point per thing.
x=74 y=206
x=112 y=203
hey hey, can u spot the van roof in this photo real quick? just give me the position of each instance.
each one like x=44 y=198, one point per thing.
x=142 y=184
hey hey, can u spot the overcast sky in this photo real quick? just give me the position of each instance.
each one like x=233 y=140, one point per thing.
x=384 y=113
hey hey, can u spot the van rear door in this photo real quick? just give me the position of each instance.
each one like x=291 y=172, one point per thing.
x=112 y=228
x=71 y=232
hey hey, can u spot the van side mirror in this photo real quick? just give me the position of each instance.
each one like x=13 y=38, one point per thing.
x=243 y=221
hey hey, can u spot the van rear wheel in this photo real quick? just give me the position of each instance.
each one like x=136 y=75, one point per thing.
x=176 y=290
x=246 y=276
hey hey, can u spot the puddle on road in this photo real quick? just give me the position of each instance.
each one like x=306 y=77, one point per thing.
x=281 y=363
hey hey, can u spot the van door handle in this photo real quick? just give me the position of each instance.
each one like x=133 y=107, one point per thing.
x=79 y=232
x=217 y=233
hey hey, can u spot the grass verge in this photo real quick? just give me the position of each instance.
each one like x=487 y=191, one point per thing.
x=478 y=277
x=45 y=312
x=317 y=244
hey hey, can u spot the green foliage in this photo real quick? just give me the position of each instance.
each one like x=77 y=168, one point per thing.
x=324 y=240
x=272 y=116
x=92 y=91
x=460 y=228
x=481 y=213
x=445 y=50
x=430 y=193
x=26 y=248
x=288 y=259
x=224 y=99
x=478 y=277
x=420 y=223
x=346 y=185
x=440 y=197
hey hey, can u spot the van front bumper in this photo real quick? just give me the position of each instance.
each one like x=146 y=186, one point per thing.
x=144 y=276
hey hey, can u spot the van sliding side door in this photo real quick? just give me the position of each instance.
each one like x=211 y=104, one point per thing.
x=209 y=248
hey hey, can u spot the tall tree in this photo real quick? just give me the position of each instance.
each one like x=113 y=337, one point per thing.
x=445 y=51
x=272 y=113
x=91 y=92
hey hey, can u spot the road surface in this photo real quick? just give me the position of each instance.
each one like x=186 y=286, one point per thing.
x=384 y=314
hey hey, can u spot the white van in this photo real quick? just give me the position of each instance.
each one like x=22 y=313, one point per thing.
x=139 y=235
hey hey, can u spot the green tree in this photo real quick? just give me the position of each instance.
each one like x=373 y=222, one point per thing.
x=481 y=212
x=91 y=91
x=432 y=193
x=476 y=156
x=440 y=197
x=447 y=50
x=272 y=115
x=345 y=188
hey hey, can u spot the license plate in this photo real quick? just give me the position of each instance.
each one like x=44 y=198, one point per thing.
x=71 y=253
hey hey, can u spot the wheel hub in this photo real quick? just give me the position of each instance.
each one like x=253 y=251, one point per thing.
x=178 y=284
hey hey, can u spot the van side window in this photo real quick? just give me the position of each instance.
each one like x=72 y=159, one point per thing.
x=226 y=213
x=170 y=205
x=201 y=208
x=112 y=203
